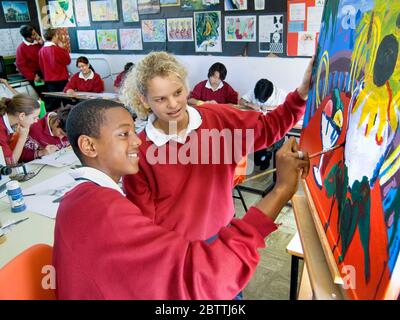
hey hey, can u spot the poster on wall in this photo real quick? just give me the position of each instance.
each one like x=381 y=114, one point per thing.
x=130 y=10
x=62 y=13
x=180 y=29
x=82 y=13
x=240 y=28
x=86 y=39
x=271 y=33
x=131 y=39
x=207 y=26
x=170 y=3
x=148 y=6
x=232 y=5
x=191 y=5
x=154 y=30
x=107 y=39
x=105 y=10
x=16 y=11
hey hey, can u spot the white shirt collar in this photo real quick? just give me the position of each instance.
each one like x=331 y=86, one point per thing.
x=159 y=138
x=95 y=176
x=90 y=77
x=208 y=85
x=30 y=43
x=7 y=123
x=50 y=114
x=49 y=44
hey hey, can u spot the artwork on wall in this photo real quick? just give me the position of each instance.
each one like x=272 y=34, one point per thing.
x=62 y=13
x=130 y=10
x=63 y=37
x=82 y=13
x=154 y=30
x=148 y=6
x=180 y=29
x=107 y=39
x=271 y=33
x=259 y=4
x=232 y=5
x=131 y=39
x=354 y=103
x=16 y=11
x=240 y=28
x=170 y=3
x=207 y=26
x=104 y=10
x=86 y=39
x=190 y=5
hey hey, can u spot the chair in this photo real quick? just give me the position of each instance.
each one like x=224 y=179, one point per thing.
x=21 y=278
x=239 y=177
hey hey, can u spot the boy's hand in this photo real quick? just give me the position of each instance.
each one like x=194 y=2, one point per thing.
x=49 y=149
x=305 y=84
x=289 y=165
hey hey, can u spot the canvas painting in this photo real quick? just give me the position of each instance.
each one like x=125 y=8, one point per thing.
x=107 y=39
x=354 y=104
x=232 y=5
x=62 y=13
x=86 y=39
x=16 y=11
x=208 y=31
x=240 y=28
x=154 y=30
x=131 y=39
x=130 y=10
x=148 y=6
x=190 y=5
x=105 y=10
x=180 y=29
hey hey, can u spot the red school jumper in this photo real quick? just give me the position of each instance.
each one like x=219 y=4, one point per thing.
x=27 y=60
x=95 y=84
x=53 y=61
x=196 y=199
x=224 y=95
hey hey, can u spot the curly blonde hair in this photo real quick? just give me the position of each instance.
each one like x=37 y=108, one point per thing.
x=155 y=64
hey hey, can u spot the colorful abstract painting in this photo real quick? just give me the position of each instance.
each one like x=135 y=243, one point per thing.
x=105 y=10
x=62 y=13
x=16 y=11
x=231 y=5
x=208 y=31
x=130 y=10
x=86 y=39
x=354 y=103
x=154 y=30
x=190 y=5
x=148 y=6
x=240 y=28
x=131 y=39
x=107 y=39
x=180 y=29
x=271 y=33
x=170 y=3
x=82 y=13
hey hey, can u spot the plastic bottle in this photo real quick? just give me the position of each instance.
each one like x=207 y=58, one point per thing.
x=15 y=196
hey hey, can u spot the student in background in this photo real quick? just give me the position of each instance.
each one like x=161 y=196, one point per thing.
x=27 y=56
x=215 y=89
x=264 y=95
x=17 y=115
x=53 y=60
x=87 y=80
x=47 y=135
x=121 y=76
x=140 y=259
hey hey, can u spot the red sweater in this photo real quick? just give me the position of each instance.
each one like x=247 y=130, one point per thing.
x=27 y=60
x=118 y=80
x=92 y=85
x=53 y=61
x=5 y=140
x=104 y=248
x=196 y=199
x=39 y=137
x=224 y=95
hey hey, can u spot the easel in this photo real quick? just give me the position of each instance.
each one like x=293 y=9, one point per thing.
x=322 y=282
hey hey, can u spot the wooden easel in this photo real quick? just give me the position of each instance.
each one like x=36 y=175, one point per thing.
x=321 y=279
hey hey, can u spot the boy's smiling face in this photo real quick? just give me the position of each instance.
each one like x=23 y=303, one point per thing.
x=116 y=151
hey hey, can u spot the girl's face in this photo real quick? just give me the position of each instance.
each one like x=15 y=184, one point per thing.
x=83 y=67
x=57 y=131
x=27 y=120
x=215 y=79
x=167 y=98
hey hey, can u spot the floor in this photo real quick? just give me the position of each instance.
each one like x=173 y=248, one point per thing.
x=271 y=280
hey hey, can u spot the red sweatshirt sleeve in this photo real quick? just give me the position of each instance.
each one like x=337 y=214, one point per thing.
x=122 y=255
x=7 y=152
x=99 y=84
x=231 y=95
x=71 y=84
x=196 y=92
x=22 y=65
x=28 y=153
x=62 y=55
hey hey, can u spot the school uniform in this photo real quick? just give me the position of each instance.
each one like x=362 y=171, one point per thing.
x=223 y=94
x=113 y=251
x=195 y=199
x=27 y=59
x=277 y=97
x=119 y=79
x=6 y=137
x=92 y=83
x=40 y=135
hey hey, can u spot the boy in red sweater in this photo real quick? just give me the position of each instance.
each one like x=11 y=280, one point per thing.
x=86 y=80
x=27 y=56
x=47 y=135
x=113 y=251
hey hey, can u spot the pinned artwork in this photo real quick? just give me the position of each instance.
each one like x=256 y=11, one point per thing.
x=16 y=11
x=208 y=31
x=354 y=102
x=62 y=13
x=187 y=5
x=154 y=30
x=105 y=10
x=131 y=39
x=180 y=29
x=107 y=39
x=86 y=39
x=240 y=28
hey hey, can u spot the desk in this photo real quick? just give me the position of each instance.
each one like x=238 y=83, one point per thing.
x=83 y=95
x=37 y=229
x=295 y=249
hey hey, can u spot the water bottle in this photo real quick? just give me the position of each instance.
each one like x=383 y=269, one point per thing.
x=15 y=196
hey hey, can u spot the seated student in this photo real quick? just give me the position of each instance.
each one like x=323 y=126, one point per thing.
x=264 y=95
x=17 y=115
x=87 y=80
x=113 y=251
x=47 y=135
x=215 y=89
x=121 y=76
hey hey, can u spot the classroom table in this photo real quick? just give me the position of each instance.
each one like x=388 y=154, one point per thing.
x=83 y=95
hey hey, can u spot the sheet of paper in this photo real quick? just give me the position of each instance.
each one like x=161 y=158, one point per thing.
x=314 y=17
x=59 y=159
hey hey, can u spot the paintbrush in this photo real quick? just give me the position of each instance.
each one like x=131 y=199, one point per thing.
x=301 y=155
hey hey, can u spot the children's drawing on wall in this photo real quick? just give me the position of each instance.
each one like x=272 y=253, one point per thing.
x=271 y=33
x=232 y=5
x=180 y=29
x=354 y=102
x=106 y=10
x=170 y=3
x=240 y=28
x=198 y=4
x=131 y=39
x=107 y=39
x=148 y=6
x=82 y=13
x=208 y=31
x=86 y=39
x=154 y=30
x=130 y=10
x=61 y=13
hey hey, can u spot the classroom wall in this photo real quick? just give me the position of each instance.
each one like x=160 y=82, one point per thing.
x=243 y=72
